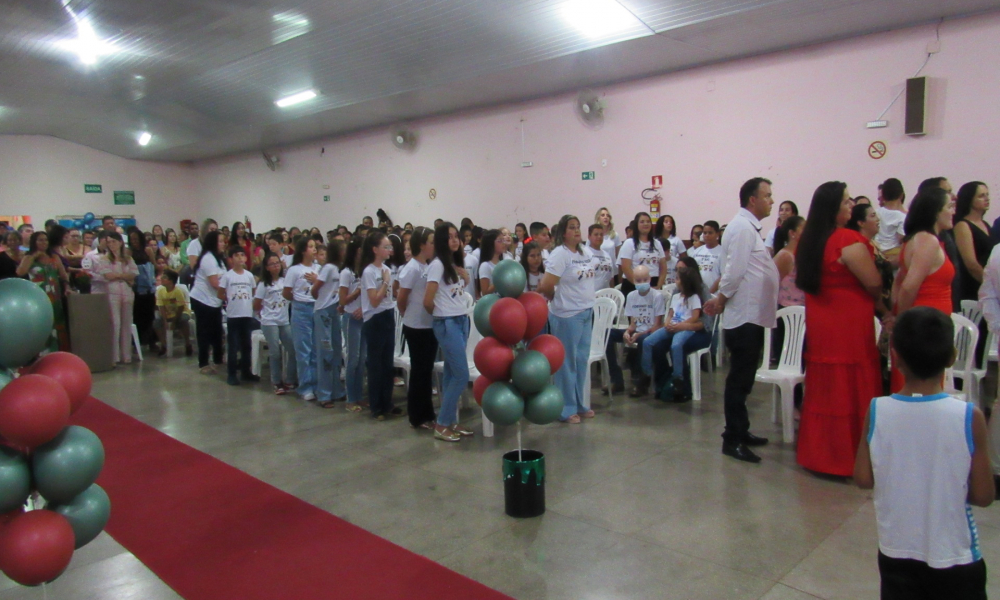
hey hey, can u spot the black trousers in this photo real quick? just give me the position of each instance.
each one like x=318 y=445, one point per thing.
x=239 y=330
x=745 y=344
x=208 y=322
x=380 y=337
x=906 y=579
x=423 y=347
x=143 y=314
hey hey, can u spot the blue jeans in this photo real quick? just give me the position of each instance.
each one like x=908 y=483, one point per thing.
x=679 y=344
x=305 y=353
x=452 y=334
x=356 y=352
x=329 y=353
x=380 y=337
x=575 y=333
x=279 y=339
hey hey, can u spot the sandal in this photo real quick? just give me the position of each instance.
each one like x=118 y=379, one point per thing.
x=572 y=420
x=462 y=431
x=588 y=415
x=353 y=407
x=327 y=404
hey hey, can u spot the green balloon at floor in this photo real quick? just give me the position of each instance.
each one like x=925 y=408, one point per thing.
x=481 y=314
x=6 y=376
x=544 y=407
x=530 y=372
x=15 y=479
x=87 y=514
x=25 y=321
x=502 y=404
x=509 y=278
x=67 y=465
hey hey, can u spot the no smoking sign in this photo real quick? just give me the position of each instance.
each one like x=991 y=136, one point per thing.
x=877 y=150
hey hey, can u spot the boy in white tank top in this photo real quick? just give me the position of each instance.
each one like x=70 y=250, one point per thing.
x=925 y=454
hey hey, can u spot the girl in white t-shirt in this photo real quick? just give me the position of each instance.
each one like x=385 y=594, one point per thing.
x=379 y=329
x=298 y=289
x=490 y=255
x=612 y=241
x=205 y=302
x=326 y=328
x=444 y=298
x=272 y=309
x=642 y=249
x=531 y=260
x=683 y=321
x=352 y=323
x=571 y=312
x=418 y=329
x=520 y=234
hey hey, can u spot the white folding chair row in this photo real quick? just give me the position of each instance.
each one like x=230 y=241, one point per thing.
x=621 y=321
x=971 y=311
x=966 y=338
x=604 y=317
x=789 y=372
x=694 y=362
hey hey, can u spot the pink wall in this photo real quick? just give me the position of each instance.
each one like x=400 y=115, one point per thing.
x=43 y=177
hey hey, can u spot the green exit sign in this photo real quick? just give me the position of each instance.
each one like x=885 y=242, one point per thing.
x=588 y=176
x=91 y=188
x=326 y=198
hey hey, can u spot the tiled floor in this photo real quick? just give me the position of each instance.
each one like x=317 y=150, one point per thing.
x=641 y=503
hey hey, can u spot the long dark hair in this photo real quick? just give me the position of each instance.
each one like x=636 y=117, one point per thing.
x=635 y=230
x=658 y=230
x=265 y=275
x=525 y=251
x=398 y=258
x=924 y=211
x=443 y=253
x=858 y=216
x=138 y=252
x=963 y=202
x=487 y=247
x=690 y=282
x=352 y=254
x=33 y=243
x=209 y=245
x=368 y=249
x=300 y=248
x=335 y=254
x=820 y=225
x=787 y=227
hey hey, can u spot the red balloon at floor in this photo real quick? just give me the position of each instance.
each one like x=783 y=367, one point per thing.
x=479 y=386
x=33 y=410
x=71 y=373
x=552 y=348
x=36 y=547
x=508 y=320
x=493 y=358
x=537 y=309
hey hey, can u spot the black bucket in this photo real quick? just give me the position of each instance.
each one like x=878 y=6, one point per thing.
x=524 y=483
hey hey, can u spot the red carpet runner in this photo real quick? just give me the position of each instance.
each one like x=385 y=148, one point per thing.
x=212 y=532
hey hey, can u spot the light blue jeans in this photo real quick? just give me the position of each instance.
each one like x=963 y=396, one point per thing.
x=329 y=353
x=452 y=334
x=305 y=352
x=676 y=341
x=357 y=350
x=279 y=339
x=575 y=333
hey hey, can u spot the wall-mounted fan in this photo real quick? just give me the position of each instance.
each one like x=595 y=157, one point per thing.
x=590 y=108
x=404 y=138
x=272 y=160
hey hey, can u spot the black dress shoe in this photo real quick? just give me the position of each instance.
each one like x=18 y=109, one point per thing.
x=740 y=452
x=752 y=440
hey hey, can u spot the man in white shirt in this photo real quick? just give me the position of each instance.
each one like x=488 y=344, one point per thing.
x=604 y=266
x=709 y=256
x=748 y=300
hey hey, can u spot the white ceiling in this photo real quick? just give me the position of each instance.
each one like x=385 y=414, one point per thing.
x=203 y=75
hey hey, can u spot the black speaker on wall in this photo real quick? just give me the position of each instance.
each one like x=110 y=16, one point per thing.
x=916 y=105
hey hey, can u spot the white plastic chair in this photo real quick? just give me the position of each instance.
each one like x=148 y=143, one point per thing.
x=788 y=373
x=401 y=354
x=667 y=291
x=619 y=300
x=966 y=338
x=604 y=317
x=257 y=343
x=694 y=363
x=135 y=340
x=971 y=311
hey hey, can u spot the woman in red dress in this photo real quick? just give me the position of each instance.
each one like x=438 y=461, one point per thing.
x=925 y=272
x=836 y=269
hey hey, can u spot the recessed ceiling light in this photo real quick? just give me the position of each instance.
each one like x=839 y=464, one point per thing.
x=599 y=18
x=296 y=98
x=145 y=138
x=87 y=45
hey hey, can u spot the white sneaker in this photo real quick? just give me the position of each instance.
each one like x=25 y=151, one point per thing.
x=310 y=397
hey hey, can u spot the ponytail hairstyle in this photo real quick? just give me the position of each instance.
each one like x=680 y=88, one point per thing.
x=368 y=249
x=353 y=253
x=418 y=238
x=787 y=227
x=487 y=247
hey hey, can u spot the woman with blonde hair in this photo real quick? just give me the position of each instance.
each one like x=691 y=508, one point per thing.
x=612 y=241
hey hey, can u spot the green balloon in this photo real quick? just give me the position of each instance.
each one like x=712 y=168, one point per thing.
x=544 y=407
x=6 y=376
x=481 y=314
x=15 y=479
x=530 y=371
x=509 y=278
x=87 y=514
x=25 y=321
x=67 y=465
x=502 y=404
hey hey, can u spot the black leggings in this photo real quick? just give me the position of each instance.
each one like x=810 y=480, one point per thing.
x=208 y=321
x=423 y=347
x=906 y=579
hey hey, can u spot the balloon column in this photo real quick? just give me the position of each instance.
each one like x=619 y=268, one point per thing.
x=514 y=377
x=39 y=451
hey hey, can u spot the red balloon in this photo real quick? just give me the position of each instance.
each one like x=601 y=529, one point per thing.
x=508 y=320
x=479 y=386
x=493 y=358
x=537 y=309
x=36 y=547
x=552 y=348
x=33 y=410
x=9 y=516
x=71 y=373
